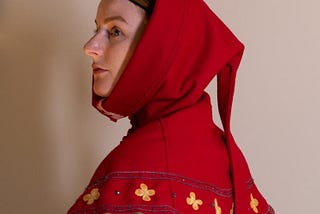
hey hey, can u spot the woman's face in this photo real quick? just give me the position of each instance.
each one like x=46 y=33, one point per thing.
x=119 y=26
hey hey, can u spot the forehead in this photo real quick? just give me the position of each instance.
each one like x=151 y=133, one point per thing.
x=123 y=8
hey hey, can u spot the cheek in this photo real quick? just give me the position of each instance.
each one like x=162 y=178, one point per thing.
x=118 y=56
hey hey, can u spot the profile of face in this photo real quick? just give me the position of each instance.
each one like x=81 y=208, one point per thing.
x=119 y=26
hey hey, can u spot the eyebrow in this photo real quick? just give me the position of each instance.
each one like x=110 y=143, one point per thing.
x=112 y=18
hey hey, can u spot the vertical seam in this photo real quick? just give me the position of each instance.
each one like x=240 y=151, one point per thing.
x=166 y=156
x=186 y=7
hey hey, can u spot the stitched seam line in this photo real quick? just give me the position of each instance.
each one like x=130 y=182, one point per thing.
x=167 y=65
x=166 y=156
x=127 y=175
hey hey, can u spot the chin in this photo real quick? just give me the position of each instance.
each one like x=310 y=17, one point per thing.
x=102 y=92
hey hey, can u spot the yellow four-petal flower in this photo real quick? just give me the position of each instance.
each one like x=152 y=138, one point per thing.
x=193 y=201
x=216 y=206
x=231 y=210
x=254 y=203
x=92 y=196
x=144 y=192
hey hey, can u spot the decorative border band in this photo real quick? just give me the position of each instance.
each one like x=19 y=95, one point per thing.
x=148 y=175
x=132 y=209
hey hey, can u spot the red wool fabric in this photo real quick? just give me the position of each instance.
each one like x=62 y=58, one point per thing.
x=175 y=159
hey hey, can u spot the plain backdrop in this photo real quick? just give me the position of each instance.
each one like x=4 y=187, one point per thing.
x=51 y=139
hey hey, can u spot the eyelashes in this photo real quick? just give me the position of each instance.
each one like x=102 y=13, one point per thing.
x=113 y=33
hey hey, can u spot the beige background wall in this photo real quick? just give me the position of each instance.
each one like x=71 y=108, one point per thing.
x=51 y=139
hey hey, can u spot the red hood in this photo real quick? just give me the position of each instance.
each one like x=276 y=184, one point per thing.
x=184 y=46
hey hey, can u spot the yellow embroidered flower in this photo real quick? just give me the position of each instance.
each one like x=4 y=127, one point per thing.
x=193 y=201
x=254 y=203
x=218 y=209
x=231 y=210
x=144 y=192
x=92 y=196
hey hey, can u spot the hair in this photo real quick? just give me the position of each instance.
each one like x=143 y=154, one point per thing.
x=146 y=5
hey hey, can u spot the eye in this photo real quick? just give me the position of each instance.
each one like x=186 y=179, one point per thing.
x=115 y=32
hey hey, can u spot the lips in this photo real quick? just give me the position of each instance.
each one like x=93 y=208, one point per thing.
x=98 y=70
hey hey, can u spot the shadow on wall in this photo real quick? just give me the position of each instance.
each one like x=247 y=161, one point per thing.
x=47 y=149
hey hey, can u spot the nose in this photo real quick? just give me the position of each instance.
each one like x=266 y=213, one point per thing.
x=93 y=47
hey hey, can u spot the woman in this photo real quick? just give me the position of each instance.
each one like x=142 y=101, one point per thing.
x=152 y=60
